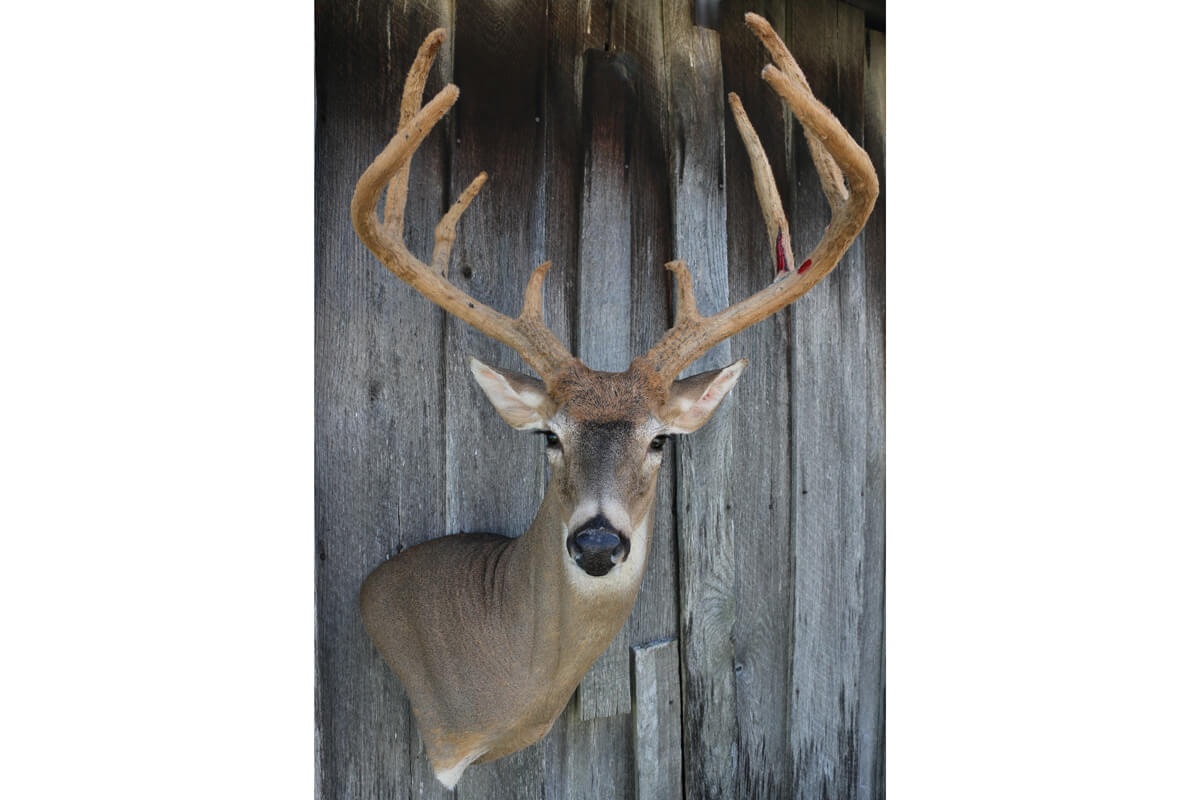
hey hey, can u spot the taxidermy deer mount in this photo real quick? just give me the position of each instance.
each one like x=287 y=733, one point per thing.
x=490 y=635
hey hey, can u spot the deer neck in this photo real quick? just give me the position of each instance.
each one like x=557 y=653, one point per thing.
x=573 y=616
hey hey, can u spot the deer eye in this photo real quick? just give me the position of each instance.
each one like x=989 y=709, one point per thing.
x=551 y=438
x=658 y=441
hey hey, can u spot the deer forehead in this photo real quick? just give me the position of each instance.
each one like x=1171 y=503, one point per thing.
x=588 y=398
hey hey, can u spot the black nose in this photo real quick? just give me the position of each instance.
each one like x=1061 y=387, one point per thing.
x=596 y=548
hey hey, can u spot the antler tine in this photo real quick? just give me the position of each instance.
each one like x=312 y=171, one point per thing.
x=527 y=334
x=778 y=231
x=410 y=102
x=685 y=299
x=827 y=168
x=850 y=184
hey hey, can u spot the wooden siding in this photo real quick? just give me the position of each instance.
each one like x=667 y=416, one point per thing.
x=752 y=665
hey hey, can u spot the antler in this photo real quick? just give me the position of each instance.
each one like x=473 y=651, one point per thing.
x=835 y=154
x=527 y=334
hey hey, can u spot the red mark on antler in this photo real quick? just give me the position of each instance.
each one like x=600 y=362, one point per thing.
x=781 y=262
x=804 y=266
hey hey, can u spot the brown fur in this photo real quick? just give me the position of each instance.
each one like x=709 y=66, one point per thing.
x=481 y=671
x=591 y=396
x=487 y=637
x=491 y=635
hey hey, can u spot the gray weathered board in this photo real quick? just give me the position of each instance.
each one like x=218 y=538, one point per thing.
x=752 y=665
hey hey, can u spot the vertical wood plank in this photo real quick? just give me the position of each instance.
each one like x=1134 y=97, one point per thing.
x=871 y=708
x=637 y=30
x=829 y=420
x=604 y=224
x=494 y=475
x=562 y=121
x=379 y=402
x=604 y=295
x=657 y=707
x=761 y=418
x=703 y=460
x=598 y=760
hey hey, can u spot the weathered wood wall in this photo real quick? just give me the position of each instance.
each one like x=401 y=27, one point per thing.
x=752 y=665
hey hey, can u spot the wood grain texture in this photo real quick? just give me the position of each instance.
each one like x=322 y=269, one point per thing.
x=597 y=761
x=832 y=554
x=762 y=504
x=657 y=721
x=379 y=471
x=871 y=709
x=767 y=560
x=704 y=459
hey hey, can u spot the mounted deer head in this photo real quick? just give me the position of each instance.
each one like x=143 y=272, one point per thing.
x=491 y=635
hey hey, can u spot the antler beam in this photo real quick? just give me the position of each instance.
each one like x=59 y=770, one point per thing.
x=527 y=334
x=850 y=184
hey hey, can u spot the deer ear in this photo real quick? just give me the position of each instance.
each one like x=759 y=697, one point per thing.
x=693 y=400
x=521 y=400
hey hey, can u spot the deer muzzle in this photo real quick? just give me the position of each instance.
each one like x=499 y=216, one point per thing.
x=596 y=547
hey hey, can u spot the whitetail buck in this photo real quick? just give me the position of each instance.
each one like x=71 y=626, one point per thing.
x=491 y=635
